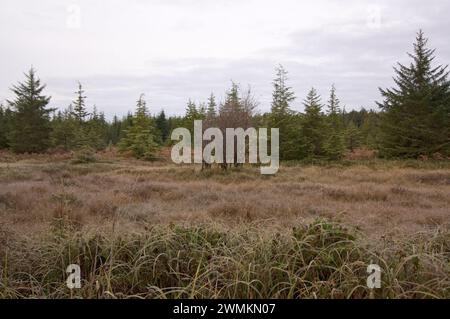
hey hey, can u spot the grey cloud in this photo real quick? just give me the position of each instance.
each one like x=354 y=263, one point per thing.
x=346 y=51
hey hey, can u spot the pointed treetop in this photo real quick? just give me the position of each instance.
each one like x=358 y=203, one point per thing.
x=191 y=109
x=211 y=110
x=312 y=101
x=30 y=90
x=417 y=78
x=233 y=94
x=282 y=94
x=141 y=107
x=333 y=102
x=79 y=106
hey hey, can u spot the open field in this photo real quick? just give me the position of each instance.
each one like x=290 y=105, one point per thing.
x=158 y=230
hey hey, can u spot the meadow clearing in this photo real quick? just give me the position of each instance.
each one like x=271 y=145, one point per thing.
x=158 y=230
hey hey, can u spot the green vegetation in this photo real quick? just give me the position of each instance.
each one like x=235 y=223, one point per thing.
x=139 y=138
x=414 y=121
x=319 y=260
x=416 y=114
x=30 y=129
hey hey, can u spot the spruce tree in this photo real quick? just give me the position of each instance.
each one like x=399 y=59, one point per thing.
x=114 y=130
x=282 y=94
x=370 y=130
x=334 y=144
x=96 y=130
x=79 y=105
x=313 y=130
x=281 y=115
x=416 y=113
x=140 y=137
x=163 y=126
x=192 y=114
x=80 y=115
x=234 y=98
x=64 y=130
x=211 y=111
x=31 y=124
x=5 y=126
x=232 y=104
x=352 y=136
x=125 y=123
x=202 y=110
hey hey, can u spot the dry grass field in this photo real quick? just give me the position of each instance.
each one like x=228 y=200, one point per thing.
x=158 y=230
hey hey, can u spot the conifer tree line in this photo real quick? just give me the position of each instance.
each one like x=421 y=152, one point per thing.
x=413 y=121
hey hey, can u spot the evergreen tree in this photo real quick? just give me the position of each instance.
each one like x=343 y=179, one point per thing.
x=334 y=143
x=31 y=124
x=352 y=136
x=334 y=108
x=281 y=115
x=282 y=94
x=174 y=122
x=96 y=130
x=114 y=130
x=370 y=130
x=162 y=125
x=211 y=111
x=64 y=130
x=416 y=113
x=202 y=110
x=126 y=123
x=140 y=137
x=5 y=126
x=79 y=114
x=233 y=101
x=313 y=130
x=192 y=114
x=79 y=106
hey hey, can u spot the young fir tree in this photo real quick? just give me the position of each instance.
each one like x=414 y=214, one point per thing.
x=192 y=114
x=30 y=131
x=113 y=130
x=370 y=130
x=416 y=113
x=125 y=123
x=79 y=111
x=334 y=144
x=96 y=130
x=211 y=111
x=162 y=125
x=139 y=139
x=281 y=115
x=313 y=129
x=64 y=130
x=233 y=100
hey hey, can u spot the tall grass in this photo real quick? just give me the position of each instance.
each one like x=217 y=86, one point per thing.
x=320 y=260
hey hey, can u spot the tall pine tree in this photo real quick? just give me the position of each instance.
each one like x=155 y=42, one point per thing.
x=313 y=130
x=79 y=105
x=334 y=143
x=281 y=115
x=416 y=113
x=31 y=124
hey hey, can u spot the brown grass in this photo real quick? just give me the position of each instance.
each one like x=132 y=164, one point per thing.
x=48 y=204
x=378 y=198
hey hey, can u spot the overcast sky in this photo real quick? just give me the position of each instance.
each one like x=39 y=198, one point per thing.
x=173 y=50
